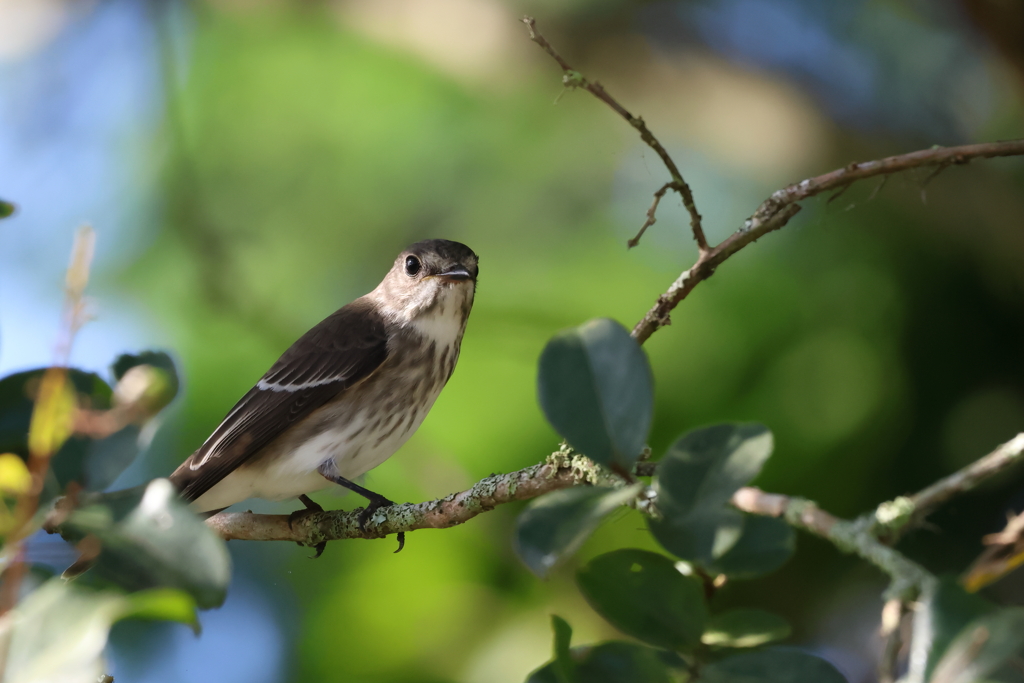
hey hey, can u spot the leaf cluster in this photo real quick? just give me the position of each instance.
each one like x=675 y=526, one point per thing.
x=596 y=388
x=65 y=436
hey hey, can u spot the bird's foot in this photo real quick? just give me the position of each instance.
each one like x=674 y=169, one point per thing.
x=377 y=501
x=311 y=507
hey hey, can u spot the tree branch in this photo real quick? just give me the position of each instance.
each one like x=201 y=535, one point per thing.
x=562 y=469
x=783 y=204
x=857 y=537
x=893 y=518
x=1002 y=458
x=651 y=220
x=574 y=79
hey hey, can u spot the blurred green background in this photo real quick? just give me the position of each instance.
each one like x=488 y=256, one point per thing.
x=252 y=166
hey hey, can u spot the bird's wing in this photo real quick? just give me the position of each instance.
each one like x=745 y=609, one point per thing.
x=342 y=350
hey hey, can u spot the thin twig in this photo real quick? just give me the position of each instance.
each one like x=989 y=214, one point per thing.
x=878 y=188
x=776 y=211
x=891 y=519
x=839 y=193
x=705 y=267
x=651 y=219
x=928 y=499
x=574 y=79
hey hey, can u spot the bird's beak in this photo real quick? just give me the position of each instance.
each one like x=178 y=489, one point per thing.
x=456 y=274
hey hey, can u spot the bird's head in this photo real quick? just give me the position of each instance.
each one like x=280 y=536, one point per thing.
x=432 y=277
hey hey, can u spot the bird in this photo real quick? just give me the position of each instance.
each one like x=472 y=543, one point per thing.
x=346 y=395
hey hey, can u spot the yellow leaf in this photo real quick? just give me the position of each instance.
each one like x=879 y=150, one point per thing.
x=53 y=416
x=14 y=475
x=990 y=571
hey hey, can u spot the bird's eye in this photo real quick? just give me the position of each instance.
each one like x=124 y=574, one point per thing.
x=412 y=266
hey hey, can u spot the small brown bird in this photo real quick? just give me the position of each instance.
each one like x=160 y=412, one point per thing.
x=345 y=396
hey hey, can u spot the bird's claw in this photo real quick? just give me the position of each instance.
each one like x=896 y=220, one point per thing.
x=376 y=503
x=311 y=508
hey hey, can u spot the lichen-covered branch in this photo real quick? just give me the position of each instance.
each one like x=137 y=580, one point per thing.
x=894 y=517
x=871 y=536
x=562 y=469
x=783 y=204
x=909 y=579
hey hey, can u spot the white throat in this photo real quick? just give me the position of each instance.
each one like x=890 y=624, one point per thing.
x=445 y=322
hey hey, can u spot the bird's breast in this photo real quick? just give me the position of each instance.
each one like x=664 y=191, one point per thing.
x=368 y=422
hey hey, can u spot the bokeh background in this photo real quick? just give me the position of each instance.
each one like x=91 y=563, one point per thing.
x=251 y=166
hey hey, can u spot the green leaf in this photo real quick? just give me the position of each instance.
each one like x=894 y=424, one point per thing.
x=6 y=209
x=564 y=666
x=643 y=595
x=163 y=604
x=705 y=467
x=596 y=389
x=745 y=628
x=982 y=647
x=619 y=662
x=105 y=459
x=615 y=662
x=773 y=665
x=157 y=542
x=696 y=480
x=546 y=674
x=700 y=537
x=148 y=376
x=555 y=525
x=764 y=545
x=59 y=631
x=944 y=615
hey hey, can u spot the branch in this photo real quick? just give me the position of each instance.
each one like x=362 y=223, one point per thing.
x=783 y=204
x=651 y=220
x=857 y=537
x=892 y=518
x=562 y=469
x=574 y=79
x=997 y=461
